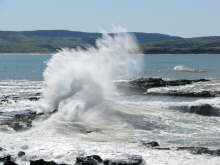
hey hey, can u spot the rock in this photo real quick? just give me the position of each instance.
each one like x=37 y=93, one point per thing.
x=42 y=162
x=193 y=150
x=187 y=93
x=8 y=161
x=141 y=85
x=184 y=82
x=18 y=120
x=162 y=148
x=33 y=98
x=147 y=83
x=2 y=149
x=151 y=144
x=200 y=150
x=14 y=98
x=21 y=153
x=128 y=160
x=202 y=109
x=89 y=160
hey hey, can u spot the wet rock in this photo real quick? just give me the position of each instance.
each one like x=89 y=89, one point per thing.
x=184 y=82
x=15 y=98
x=8 y=161
x=42 y=162
x=162 y=148
x=200 y=150
x=89 y=160
x=18 y=120
x=2 y=149
x=159 y=82
x=151 y=144
x=21 y=153
x=192 y=150
x=128 y=160
x=202 y=109
x=33 y=98
x=140 y=86
x=187 y=93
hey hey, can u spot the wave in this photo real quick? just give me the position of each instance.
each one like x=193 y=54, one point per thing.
x=181 y=68
x=78 y=81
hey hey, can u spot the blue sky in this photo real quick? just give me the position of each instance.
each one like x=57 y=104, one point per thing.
x=187 y=18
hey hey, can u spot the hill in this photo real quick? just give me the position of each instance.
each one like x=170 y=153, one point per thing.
x=49 y=41
x=45 y=41
x=190 y=45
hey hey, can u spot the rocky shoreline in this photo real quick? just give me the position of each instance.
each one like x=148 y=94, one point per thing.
x=122 y=160
x=22 y=120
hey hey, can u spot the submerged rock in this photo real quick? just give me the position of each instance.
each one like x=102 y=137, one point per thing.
x=18 y=120
x=42 y=162
x=187 y=93
x=7 y=161
x=21 y=153
x=202 y=109
x=15 y=98
x=201 y=150
x=89 y=160
x=151 y=144
x=192 y=150
x=127 y=160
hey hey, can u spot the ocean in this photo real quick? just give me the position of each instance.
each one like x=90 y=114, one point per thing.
x=94 y=118
x=31 y=67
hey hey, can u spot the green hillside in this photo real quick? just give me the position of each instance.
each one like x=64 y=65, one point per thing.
x=192 y=45
x=45 y=41
x=48 y=41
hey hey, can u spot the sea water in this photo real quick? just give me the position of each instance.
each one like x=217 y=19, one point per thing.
x=79 y=83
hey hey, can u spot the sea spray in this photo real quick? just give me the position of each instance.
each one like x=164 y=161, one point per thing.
x=79 y=80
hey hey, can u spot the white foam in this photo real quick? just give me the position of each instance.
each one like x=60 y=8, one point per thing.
x=182 y=68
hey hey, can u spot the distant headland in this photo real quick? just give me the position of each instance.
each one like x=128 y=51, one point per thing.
x=49 y=41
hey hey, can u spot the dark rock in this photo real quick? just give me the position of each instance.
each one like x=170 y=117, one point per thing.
x=187 y=93
x=33 y=98
x=162 y=148
x=42 y=162
x=200 y=150
x=21 y=153
x=128 y=160
x=18 y=120
x=202 y=109
x=193 y=150
x=151 y=144
x=140 y=86
x=8 y=161
x=2 y=149
x=2 y=159
x=14 y=98
x=147 y=83
x=21 y=120
x=89 y=160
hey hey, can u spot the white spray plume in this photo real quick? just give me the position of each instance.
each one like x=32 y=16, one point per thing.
x=76 y=80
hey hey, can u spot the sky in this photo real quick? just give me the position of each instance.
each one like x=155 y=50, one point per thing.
x=186 y=18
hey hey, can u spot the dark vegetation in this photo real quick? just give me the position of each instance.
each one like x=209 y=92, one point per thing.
x=191 y=45
x=49 y=41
